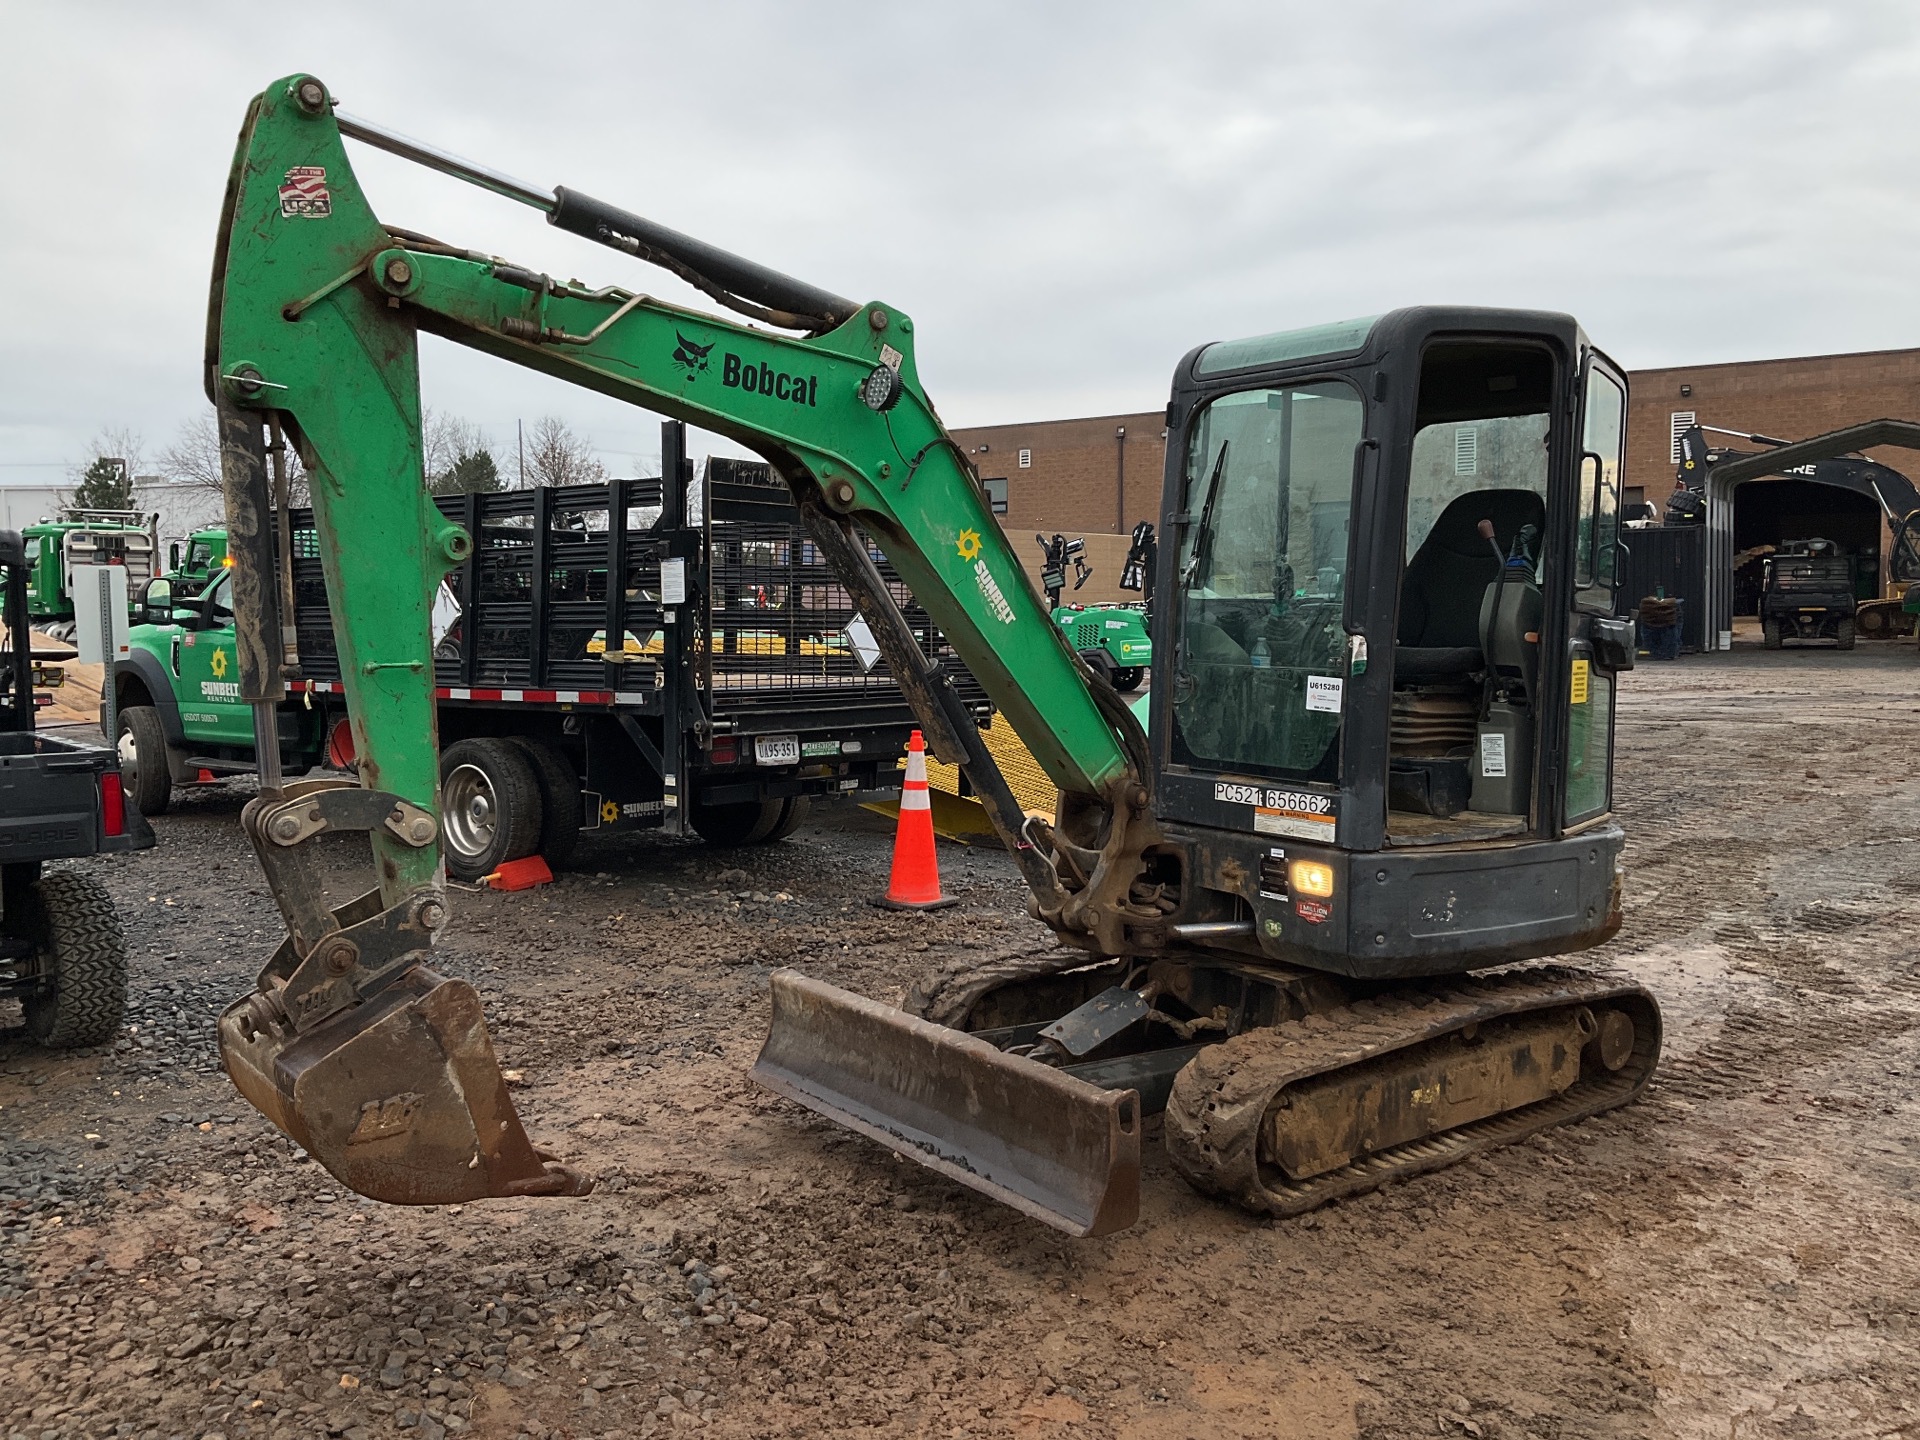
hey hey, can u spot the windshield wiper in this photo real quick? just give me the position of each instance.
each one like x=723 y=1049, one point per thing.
x=1199 y=566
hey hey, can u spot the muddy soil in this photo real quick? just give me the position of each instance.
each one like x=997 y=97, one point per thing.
x=1736 y=1255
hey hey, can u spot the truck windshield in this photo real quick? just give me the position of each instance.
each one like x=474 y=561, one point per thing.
x=1262 y=658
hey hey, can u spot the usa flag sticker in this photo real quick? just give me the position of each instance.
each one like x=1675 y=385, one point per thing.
x=303 y=194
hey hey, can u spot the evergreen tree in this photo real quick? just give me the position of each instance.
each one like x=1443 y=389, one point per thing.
x=472 y=472
x=107 y=484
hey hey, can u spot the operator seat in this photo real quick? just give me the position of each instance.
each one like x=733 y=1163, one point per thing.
x=1447 y=578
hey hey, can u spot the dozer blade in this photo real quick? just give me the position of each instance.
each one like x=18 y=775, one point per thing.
x=399 y=1096
x=1049 y=1145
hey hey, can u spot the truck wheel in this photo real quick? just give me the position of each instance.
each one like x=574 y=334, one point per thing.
x=1127 y=680
x=82 y=954
x=560 y=812
x=747 y=822
x=1770 y=634
x=489 y=806
x=1101 y=664
x=793 y=814
x=1843 y=632
x=143 y=759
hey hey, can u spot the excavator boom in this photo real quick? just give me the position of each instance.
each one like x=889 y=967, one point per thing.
x=380 y=1067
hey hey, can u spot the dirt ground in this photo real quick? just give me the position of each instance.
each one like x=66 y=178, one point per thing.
x=1738 y=1255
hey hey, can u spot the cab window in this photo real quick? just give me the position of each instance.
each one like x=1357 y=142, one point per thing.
x=219 y=606
x=1262 y=578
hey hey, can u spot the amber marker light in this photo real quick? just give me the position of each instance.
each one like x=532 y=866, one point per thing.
x=1310 y=877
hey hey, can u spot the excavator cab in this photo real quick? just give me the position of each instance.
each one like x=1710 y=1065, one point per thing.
x=1393 y=638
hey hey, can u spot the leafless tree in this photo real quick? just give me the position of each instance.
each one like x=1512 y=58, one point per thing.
x=446 y=440
x=194 y=458
x=557 y=456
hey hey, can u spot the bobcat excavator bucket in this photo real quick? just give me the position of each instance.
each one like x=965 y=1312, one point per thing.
x=378 y=1067
x=1052 y=1146
x=400 y=1097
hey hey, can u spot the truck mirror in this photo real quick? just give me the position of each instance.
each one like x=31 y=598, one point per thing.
x=173 y=555
x=156 y=601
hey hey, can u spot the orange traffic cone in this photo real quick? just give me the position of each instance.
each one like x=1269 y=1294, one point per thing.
x=915 y=881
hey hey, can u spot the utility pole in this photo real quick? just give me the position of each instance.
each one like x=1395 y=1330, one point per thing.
x=520 y=439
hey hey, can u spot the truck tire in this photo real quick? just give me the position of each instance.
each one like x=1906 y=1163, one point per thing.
x=1770 y=634
x=489 y=806
x=1127 y=680
x=747 y=822
x=560 y=802
x=1843 y=632
x=793 y=814
x=82 y=955
x=144 y=766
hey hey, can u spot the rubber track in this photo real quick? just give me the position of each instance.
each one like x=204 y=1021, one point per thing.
x=1213 y=1119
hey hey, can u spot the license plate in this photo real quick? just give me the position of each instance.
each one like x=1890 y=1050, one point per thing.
x=776 y=749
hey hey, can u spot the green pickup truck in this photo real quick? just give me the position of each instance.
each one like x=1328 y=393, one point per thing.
x=181 y=718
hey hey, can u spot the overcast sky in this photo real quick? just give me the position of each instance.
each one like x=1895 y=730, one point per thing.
x=1066 y=197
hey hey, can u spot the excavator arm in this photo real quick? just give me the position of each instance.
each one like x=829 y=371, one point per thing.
x=380 y=1066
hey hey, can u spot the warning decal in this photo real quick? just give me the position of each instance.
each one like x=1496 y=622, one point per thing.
x=1581 y=669
x=1299 y=813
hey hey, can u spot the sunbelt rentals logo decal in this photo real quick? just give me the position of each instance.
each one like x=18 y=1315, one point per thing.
x=968 y=545
x=219 y=688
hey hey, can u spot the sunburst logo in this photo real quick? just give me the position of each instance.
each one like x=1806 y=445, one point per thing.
x=969 y=545
x=218 y=664
x=609 y=811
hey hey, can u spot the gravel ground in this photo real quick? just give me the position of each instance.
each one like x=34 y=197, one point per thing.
x=1734 y=1256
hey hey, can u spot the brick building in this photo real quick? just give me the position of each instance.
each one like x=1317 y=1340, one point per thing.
x=1791 y=399
x=1100 y=475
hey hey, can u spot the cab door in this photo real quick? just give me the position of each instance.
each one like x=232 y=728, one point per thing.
x=209 y=675
x=1598 y=645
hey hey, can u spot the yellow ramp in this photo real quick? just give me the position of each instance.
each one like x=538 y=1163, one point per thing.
x=1031 y=787
x=961 y=817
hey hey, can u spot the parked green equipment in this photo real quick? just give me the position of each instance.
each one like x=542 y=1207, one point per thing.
x=1261 y=940
x=84 y=537
x=205 y=558
x=1111 y=638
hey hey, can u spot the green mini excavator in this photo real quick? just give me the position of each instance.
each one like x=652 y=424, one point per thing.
x=1376 y=773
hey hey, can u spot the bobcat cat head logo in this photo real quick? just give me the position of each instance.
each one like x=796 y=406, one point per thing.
x=689 y=355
